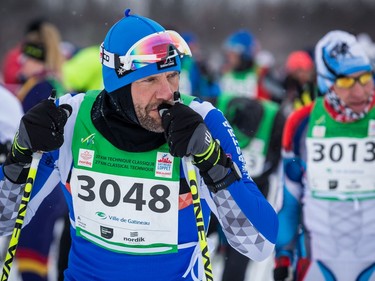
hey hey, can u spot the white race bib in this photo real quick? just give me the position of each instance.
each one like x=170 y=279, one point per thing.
x=341 y=168
x=126 y=214
x=240 y=88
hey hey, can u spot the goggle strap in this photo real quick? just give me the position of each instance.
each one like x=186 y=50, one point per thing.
x=115 y=61
x=109 y=59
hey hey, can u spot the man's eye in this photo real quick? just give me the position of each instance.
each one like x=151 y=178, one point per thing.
x=173 y=75
x=151 y=79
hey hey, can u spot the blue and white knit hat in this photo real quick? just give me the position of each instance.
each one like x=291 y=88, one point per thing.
x=119 y=39
x=338 y=53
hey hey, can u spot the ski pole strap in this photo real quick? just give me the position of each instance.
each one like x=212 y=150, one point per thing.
x=231 y=177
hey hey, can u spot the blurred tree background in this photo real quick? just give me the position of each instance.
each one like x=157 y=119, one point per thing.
x=280 y=25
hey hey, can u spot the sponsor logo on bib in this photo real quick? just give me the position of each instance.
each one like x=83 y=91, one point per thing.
x=164 y=165
x=106 y=232
x=85 y=157
x=319 y=131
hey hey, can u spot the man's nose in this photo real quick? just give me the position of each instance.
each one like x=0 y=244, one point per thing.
x=165 y=90
x=357 y=89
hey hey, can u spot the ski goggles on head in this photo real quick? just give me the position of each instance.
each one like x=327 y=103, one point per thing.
x=346 y=82
x=153 y=48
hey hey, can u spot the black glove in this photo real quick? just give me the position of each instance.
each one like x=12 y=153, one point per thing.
x=187 y=134
x=184 y=130
x=283 y=270
x=41 y=129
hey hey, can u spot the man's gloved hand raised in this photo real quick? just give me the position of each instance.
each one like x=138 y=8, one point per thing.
x=187 y=134
x=41 y=129
x=185 y=130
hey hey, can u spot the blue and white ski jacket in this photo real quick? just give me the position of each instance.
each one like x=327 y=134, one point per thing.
x=248 y=220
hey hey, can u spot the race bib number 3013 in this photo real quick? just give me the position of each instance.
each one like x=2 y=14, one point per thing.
x=341 y=166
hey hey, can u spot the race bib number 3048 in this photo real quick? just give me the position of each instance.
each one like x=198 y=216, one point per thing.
x=126 y=214
x=340 y=168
